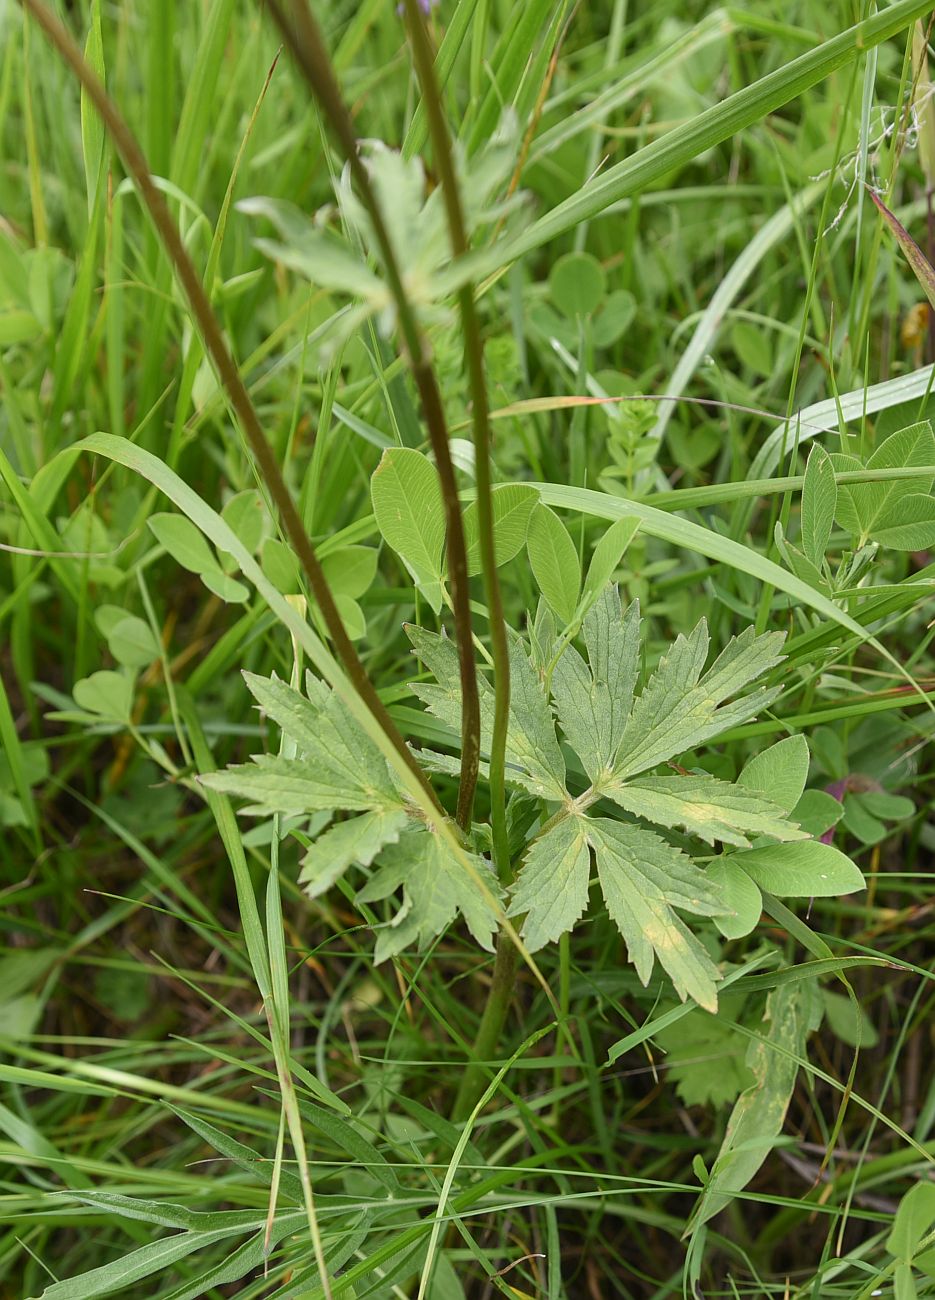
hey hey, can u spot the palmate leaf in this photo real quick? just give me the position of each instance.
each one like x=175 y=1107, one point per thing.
x=336 y=765
x=435 y=889
x=552 y=890
x=680 y=708
x=330 y=765
x=644 y=880
x=534 y=759
x=359 y=839
x=593 y=699
x=706 y=807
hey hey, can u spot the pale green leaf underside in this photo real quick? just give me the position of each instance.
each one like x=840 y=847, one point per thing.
x=552 y=890
x=533 y=756
x=643 y=880
x=680 y=708
x=435 y=889
x=357 y=840
x=274 y=784
x=593 y=699
x=706 y=807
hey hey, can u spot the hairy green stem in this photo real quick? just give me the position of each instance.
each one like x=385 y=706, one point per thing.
x=474 y=359
x=488 y=1033
x=216 y=347
x=303 y=37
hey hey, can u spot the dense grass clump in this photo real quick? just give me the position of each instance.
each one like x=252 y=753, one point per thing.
x=466 y=677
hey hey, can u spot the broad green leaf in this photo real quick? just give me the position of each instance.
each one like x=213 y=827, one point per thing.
x=554 y=561
x=606 y=558
x=704 y=806
x=533 y=756
x=779 y=772
x=280 y=566
x=227 y=588
x=287 y=785
x=512 y=505
x=614 y=318
x=743 y=901
x=816 y=812
x=105 y=693
x=245 y=515
x=705 y=1057
x=892 y=807
x=552 y=888
x=915 y=1218
x=848 y=1020
x=865 y=508
x=819 y=499
x=407 y=504
x=792 y=1011
x=593 y=699
x=644 y=880
x=808 y=869
x=577 y=283
x=131 y=642
x=350 y=571
x=184 y=543
x=679 y=708
x=799 y=563
x=860 y=821
x=359 y=839
x=909 y=525
x=435 y=889
x=337 y=766
x=352 y=616
x=320 y=726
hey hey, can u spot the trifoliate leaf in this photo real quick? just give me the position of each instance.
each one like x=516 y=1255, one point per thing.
x=359 y=839
x=435 y=889
x=874 y=507
x=534 y=759
x=741 y=896
x=808 y=869
x=407 y=505
x=552 y=889
x=512 y=504
x=819 y=499
x=554 y=561
x=779 y=772
x=704 y=806
x=644 y=880
x=593 y=700
x=680 y=709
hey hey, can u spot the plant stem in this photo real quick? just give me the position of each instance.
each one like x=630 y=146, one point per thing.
x=213 y=337
x=491 y=1025
x=304 y=39
x=474 y=360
